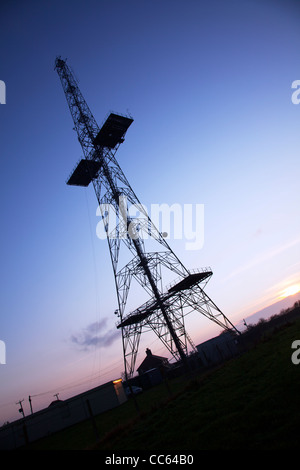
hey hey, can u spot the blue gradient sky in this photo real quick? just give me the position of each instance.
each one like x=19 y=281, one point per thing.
x=208 y=84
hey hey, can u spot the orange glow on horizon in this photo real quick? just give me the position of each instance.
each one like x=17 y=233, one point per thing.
x=291 y=290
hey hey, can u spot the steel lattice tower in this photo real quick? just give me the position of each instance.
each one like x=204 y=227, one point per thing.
x=165 y=310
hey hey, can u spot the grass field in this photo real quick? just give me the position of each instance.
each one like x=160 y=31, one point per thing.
x=250 y=402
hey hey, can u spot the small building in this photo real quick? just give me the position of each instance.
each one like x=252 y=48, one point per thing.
x=61 y=414
x=152 y=361
x=218 y=349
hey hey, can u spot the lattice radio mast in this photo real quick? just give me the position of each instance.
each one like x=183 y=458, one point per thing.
x=165 y=310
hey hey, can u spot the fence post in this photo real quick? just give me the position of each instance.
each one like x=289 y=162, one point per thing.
x=94 y=424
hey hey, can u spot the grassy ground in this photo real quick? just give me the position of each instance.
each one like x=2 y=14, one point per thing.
x=251 y=402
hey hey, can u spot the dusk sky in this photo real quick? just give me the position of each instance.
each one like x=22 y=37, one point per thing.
x=209 y=86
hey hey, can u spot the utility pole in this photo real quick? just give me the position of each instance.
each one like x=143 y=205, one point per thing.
x=21 y=407
x=29 y=399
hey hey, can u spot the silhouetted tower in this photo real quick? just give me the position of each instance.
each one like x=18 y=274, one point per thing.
x=165 y=309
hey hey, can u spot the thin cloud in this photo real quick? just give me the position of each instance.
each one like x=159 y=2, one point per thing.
x=262 y=258
x=94 y=335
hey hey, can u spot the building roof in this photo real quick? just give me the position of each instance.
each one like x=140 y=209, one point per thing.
x=56 y=403
x=152 y=361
